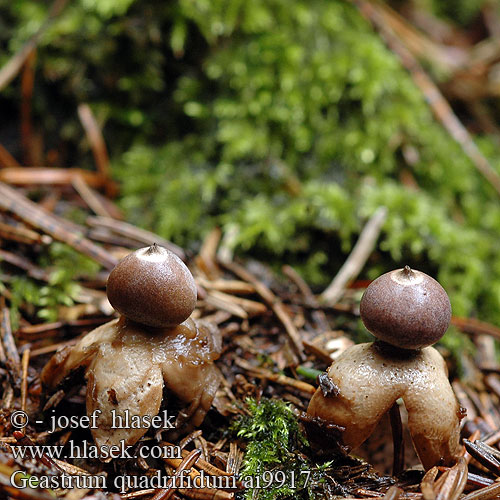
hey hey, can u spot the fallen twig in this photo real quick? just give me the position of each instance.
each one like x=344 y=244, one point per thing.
x=136 y=233
x=318 y=315
x=220 y=301
x=200 y=464
x=250 y=307
x=206 y=259
x=227 y=286
x=90 y=198
x=24 y=264
x=24 y=378
x=234 y=459
x=357 y=258
x=27 y=84
x=42 y=457
x=22 y=234
x=36 y=216
x=6 y=159
x=52 y=176
x=484 y=493
x=276 y=377
x=9 y=345
x=447 y=59
x=165 y=494
x=273 y=301
x=475 y=327
x=427 y=484
x=97 y=144
x=453 y=481
x=484 y=454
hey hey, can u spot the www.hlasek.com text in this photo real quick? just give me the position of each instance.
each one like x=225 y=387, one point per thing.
x=87 y=450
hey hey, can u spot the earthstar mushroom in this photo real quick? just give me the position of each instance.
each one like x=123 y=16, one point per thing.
x=407 y=311
x=153 y=344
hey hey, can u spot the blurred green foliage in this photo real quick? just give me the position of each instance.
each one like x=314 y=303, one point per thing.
x=462 y=349
x=65 y=266
x=285 y=122
x=461 y=11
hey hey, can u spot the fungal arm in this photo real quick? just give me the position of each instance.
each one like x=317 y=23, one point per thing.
x=433 y=413
x=365 y=394
x=186 y=361
x=70 y=358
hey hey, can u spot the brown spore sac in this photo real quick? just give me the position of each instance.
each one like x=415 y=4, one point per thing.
x=406 y=308
x=153 y=287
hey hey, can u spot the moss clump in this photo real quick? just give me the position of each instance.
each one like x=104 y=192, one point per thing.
x=274 y=466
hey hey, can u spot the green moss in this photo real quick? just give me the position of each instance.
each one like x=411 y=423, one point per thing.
x=273 y=453
x=277 y=462
x=65 y=265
